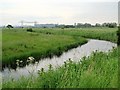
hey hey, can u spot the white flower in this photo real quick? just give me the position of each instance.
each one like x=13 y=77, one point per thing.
x=31 y=58
x=36 y=62
x=17 y=60
x=28 y=60
x=17 y=63
x=21 y=61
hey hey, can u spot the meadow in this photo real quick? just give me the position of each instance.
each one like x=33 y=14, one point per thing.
x=20 y=44
x=101 y=33
x=42 y=42
x=100 y=70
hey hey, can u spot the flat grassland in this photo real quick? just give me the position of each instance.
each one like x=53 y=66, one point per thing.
x=101 y=33
x=20 y=44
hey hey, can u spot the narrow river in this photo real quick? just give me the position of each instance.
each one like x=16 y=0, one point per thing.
x=74 y=54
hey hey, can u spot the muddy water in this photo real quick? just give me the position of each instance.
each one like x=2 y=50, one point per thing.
x=75 y=54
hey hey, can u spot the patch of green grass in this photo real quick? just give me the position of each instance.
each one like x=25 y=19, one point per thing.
x=101 y=33
x=20 y=44
x=100 y=70
x=46 y=42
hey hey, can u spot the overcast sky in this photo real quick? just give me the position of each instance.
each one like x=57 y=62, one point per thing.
x=58 y=11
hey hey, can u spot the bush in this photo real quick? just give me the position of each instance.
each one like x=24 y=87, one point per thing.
x=29 y=30
x=9 y=26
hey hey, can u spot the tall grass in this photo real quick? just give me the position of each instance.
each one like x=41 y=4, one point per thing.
x=101 y=33
x=20 y=44
x=100 y=70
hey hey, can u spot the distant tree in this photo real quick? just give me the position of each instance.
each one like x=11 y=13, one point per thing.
x=69 y=26
x=110 y=25
x=87 y=25
x=104 y=24
x=79 y=25
x=61 y=26
x=9 y=26
x=97 y=25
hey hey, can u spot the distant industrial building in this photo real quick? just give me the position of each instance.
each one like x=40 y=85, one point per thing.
x=45 y=25
x=35 y=24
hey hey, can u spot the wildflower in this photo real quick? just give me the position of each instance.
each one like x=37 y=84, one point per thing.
x=17 y=60
x=17 y=63
x=28 y=60
x=31 y=58
x=21 y=61
x=36 y=62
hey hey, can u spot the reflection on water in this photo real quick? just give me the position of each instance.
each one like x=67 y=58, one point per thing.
x=75 y=54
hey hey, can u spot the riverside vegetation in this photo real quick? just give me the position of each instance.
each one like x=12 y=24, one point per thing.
x=100 y=70
x=20 y=44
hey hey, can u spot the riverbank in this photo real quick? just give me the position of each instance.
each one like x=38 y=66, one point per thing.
x=57 y=61
x=45 y=42
x=100 y=70
x=20 y=44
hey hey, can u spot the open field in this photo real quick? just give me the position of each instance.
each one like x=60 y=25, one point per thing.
x=20 y=44
x=100 y=70
x=101 y=33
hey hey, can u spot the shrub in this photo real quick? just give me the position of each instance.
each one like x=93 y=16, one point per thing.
x=9 y=26
x=29 y=30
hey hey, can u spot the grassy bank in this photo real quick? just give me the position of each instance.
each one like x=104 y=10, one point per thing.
x=101 y=33
x=100 y=70
x=20 y=44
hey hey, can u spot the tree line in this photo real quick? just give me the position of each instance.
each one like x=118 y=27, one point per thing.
x=81 y=25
